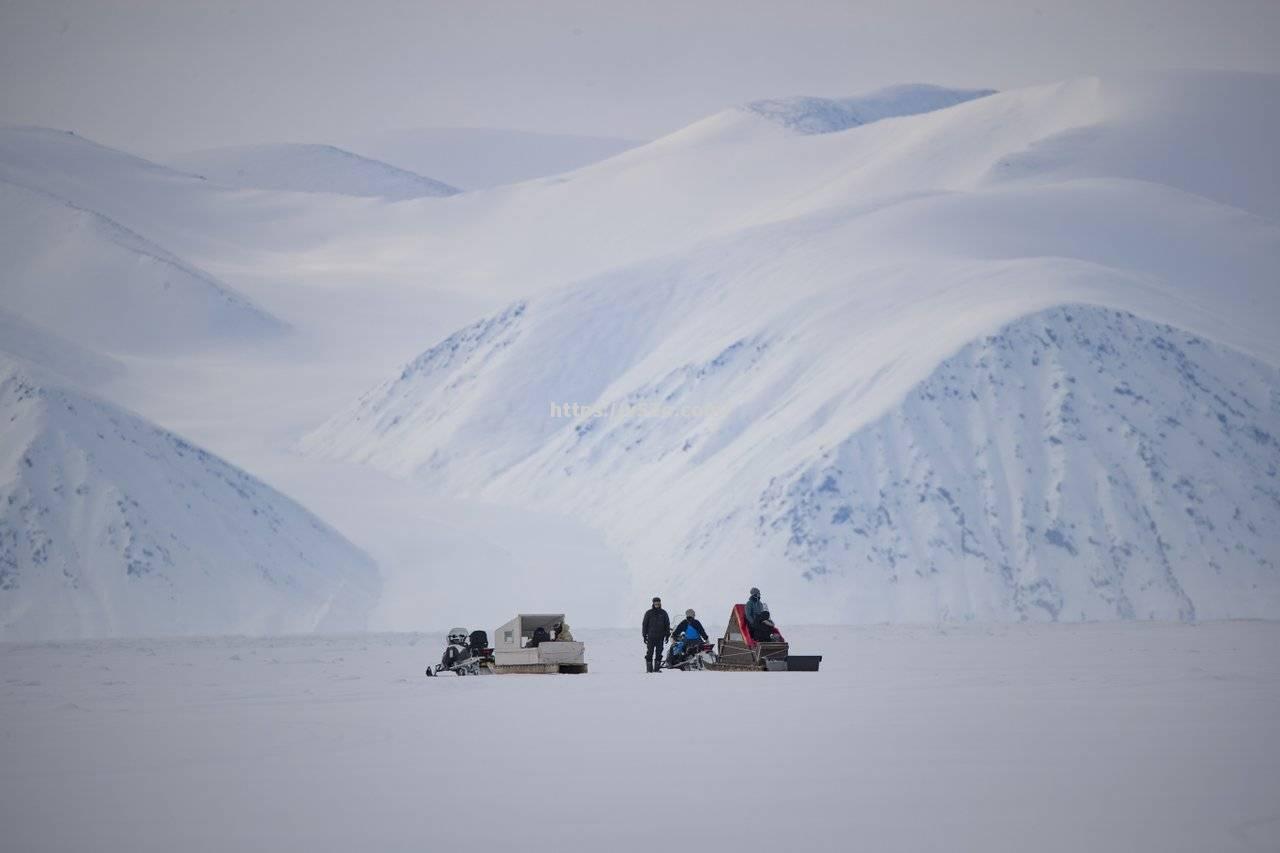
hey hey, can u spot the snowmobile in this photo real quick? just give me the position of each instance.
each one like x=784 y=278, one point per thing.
x=690 y=652
x=466 y=654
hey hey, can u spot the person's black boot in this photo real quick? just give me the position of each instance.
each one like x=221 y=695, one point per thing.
x=648 y=664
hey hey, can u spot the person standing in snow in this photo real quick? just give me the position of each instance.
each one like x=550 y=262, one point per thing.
x=655 y=627
x=689 y=621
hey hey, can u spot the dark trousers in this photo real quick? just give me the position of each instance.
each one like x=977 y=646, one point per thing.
x=653 y=654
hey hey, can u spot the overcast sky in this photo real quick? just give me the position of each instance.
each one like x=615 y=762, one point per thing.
x=164 y=75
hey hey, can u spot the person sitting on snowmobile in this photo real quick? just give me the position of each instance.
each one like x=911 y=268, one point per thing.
x=759 y=623
x=563 y=634
x=686 y=622
x=764 y=631
x=754 y=608
x=686 y=639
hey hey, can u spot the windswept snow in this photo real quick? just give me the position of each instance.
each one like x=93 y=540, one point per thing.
x=110 y=526
x=305 y=168
x=829 y=115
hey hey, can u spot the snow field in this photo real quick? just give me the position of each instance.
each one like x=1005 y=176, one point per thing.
x=1023 y=737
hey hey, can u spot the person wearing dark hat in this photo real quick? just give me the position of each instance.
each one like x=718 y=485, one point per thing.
x=689 y=621
x=655 y=627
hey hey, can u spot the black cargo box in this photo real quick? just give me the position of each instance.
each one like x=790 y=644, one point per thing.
x=803 y=663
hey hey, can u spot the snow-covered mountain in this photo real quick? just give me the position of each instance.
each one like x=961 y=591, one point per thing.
x=810 y=297
x=111 y=526
x=986 y=362
x=297 y=167
x=1080 y=463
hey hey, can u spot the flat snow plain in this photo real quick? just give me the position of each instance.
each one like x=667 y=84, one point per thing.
x=1129 y=736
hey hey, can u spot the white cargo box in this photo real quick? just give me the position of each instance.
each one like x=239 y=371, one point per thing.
x=511 y=652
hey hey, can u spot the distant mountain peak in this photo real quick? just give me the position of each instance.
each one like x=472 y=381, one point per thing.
x=811 y=115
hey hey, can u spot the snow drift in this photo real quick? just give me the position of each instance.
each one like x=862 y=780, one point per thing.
x=110 y=526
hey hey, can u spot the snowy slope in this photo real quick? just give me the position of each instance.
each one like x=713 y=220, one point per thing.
x=738 y=169
x=111 y=526
x=1078 y=464
x=81 y=367
x=307 y=168
x=68 y=165
x=479 y=158
x=86 y=277
x=202 y=222
x=829 y=302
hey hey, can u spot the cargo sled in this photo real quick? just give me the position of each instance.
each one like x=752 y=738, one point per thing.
x=519 y=647
x=738 y=651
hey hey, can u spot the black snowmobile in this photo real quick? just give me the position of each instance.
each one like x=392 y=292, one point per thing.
x=466 y=654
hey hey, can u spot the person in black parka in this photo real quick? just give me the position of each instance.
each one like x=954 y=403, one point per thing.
x=655 y=627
